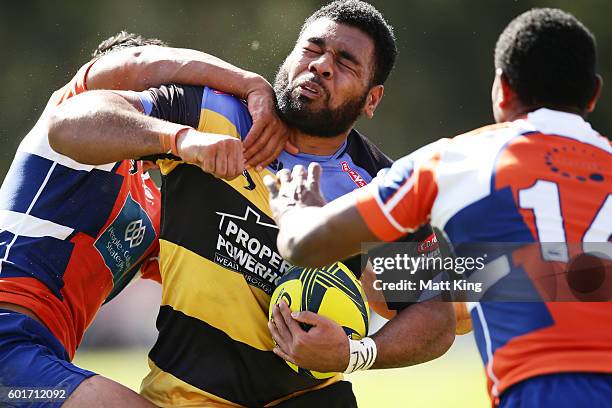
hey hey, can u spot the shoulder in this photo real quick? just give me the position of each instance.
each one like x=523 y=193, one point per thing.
x=222 y=113
x=366 y=154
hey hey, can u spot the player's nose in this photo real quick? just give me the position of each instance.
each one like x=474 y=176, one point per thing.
x=322 y=65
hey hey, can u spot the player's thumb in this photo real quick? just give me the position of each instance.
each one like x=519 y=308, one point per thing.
x=307 y=317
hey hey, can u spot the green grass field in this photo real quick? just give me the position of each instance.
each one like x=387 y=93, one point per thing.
x=455 y=380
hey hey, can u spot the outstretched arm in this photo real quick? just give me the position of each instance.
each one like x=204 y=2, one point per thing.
x=139 y=68
x=311 y=234
x=100 y=127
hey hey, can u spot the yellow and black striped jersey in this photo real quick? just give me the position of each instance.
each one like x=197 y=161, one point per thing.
x=219 y=262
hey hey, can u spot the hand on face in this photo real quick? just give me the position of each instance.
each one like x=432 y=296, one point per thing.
x=324 y=347
x=296 y=189
x=219 y=155
x=269 y=135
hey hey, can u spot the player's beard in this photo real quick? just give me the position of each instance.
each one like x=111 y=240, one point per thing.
x=324 y=122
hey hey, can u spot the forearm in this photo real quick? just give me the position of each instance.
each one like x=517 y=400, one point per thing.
x=140 y=68
x=304 y=236
x=419 y=333
x=103 y=127
x=319 y=236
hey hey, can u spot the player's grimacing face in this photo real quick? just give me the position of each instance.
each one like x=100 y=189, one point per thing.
x=323 y=84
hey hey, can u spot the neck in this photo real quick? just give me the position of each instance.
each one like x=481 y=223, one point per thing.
x=320 y=146
x=524 y=110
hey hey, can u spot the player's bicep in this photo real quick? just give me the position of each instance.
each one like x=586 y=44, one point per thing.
x=132 y=98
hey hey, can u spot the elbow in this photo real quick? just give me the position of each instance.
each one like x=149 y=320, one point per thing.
x=57 y=131
x=144 y=67
x=291 y=249
x=445 y=341
x=446 y=333
x=297 y=251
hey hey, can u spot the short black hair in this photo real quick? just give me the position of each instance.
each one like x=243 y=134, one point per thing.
x=123 y=39
x=366 y=18
x=549 y=59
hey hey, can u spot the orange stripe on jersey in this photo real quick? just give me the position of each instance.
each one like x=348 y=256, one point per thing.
x=373 y=215
x=408 y=206
x=414 y=208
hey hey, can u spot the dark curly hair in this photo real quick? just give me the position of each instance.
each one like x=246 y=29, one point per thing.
x=366 y=18
x=124 y=39
x=549 y=59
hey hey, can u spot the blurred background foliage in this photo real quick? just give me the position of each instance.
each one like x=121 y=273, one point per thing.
x=440 y=86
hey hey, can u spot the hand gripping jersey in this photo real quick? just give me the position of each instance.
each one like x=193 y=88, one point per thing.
x=544 y=178
x=219 y=262
x=72 y=235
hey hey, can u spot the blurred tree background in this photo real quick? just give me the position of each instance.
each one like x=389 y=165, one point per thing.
x=440 y=86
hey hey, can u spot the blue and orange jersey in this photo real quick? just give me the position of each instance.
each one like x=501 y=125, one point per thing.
x=546 y=177
x=73 y=235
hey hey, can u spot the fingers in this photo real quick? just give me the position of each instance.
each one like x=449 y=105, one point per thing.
x=284 y=176
x=221 y=159
x=253 y=135
x=207 y=160
x=292 y=325
x=291 y=148
x=260 y=149
x=298 y=174
x=236 y=162
x=277 y=350
x=271 y=183
x=314 y=176
x=284 y=334
x=307 y=317
x=228 y=159
x=265 y=155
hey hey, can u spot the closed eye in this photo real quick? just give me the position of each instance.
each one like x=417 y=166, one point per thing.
x=312 y=50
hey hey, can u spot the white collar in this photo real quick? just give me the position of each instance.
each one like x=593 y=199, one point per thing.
x=566 y=124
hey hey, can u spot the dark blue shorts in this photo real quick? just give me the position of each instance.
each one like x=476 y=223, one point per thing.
x=31 y=358
x=564 y=390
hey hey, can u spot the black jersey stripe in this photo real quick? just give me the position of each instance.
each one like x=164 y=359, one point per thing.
x=187 y=220
x=206 y=357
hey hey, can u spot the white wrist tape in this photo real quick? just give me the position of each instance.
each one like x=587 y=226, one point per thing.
x=362 y=354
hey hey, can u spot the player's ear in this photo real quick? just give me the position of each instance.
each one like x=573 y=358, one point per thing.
x=375 y=94
x=506 y=95
x=596 y=94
